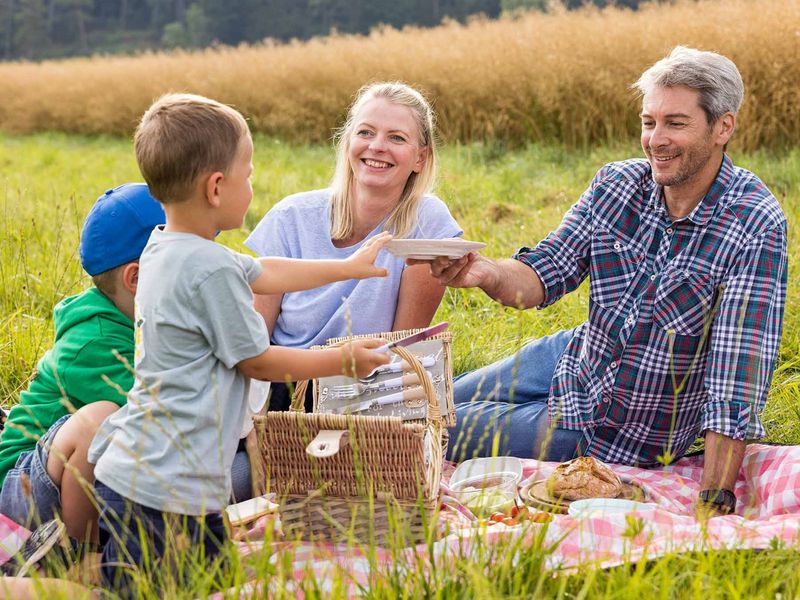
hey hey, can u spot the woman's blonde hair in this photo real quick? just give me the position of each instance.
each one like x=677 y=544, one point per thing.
x=403 y=218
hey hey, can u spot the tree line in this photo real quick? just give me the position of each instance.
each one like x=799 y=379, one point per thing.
x=37 y=29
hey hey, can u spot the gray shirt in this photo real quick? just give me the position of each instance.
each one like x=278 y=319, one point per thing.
x=171 y=446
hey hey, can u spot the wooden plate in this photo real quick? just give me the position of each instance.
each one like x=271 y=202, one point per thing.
x=537 y=495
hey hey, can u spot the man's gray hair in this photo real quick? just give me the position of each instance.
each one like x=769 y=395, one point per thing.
x=714 y=76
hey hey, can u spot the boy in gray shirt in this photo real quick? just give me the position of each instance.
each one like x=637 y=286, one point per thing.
x=165 y=457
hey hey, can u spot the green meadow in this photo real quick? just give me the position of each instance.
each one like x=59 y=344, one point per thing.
x=504 y=197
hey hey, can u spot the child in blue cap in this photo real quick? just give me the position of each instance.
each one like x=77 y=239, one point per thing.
x=163 y=461
x=83 y=377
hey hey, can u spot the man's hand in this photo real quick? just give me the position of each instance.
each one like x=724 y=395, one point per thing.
x=472 y=270
x=361 y=264
x=359 y=359
x=507 y=281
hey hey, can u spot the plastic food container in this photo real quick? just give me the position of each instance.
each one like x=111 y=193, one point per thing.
x=486 y=466
x=485 y=494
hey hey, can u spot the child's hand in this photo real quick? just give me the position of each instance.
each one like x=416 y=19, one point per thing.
x=358 y=358
x=361 y=263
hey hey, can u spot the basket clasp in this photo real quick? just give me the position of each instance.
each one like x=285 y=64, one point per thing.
x=327 y=443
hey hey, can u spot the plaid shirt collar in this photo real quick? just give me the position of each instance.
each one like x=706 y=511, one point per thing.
x=701 y=213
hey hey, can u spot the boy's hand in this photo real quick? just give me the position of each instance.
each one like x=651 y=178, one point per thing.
x=359 y=359
x=361 y=263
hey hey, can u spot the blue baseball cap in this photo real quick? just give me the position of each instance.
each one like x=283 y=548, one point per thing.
x=117 y=228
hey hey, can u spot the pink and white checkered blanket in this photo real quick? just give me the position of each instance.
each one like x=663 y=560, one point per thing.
x=12 y=537
x=768 y=513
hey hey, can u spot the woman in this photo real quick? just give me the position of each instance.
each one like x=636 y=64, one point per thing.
x=385 y=169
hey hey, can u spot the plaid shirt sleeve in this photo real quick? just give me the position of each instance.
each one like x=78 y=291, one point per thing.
x=745 y=336
x=561 y=260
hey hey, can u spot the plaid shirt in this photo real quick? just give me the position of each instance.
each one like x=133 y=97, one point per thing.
x=685 y=316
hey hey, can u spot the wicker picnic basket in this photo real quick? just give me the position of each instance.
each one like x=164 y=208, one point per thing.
x=352 y=478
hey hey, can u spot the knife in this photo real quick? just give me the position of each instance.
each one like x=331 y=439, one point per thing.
x=415 y=337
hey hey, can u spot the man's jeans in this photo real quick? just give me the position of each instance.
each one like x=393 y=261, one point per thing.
x=501 y=409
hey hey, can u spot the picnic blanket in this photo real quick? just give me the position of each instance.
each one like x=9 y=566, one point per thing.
x=12 y=537
x=767 y=515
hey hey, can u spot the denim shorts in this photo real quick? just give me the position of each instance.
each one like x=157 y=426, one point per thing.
x=29 y=496
x=139 y=538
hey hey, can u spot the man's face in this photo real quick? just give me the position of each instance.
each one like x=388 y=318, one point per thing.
x=676 y=137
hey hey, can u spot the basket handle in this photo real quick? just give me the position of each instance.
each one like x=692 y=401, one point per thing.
x=434 y=412
x=299 y=398
x=326 y=443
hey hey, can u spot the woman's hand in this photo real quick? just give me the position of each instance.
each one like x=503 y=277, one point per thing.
x=362 y=262
x=359 y=358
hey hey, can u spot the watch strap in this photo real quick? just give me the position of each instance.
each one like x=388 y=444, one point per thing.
x=720 y=499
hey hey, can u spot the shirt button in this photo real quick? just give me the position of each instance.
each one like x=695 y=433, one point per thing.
x=669 y=230
x=630 y=320
x=613 y=364
x=617 y=246
x=653 y=277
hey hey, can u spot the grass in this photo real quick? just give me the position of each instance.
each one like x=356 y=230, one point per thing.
x=504 y=197
x=544 y=78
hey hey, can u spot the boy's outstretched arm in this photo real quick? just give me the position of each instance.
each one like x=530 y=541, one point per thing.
x=277 y=363
x=280 y=275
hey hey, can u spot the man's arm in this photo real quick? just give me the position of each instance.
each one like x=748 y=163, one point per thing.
x=507 y=281
x=723 y=460
x=534 y=277
x=744 y=342
x=281 y=275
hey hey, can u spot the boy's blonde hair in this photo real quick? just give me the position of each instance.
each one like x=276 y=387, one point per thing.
x=183 y=136
x=403 y=219
x=106 y=281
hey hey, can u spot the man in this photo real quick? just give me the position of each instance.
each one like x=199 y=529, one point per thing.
x=686 y=256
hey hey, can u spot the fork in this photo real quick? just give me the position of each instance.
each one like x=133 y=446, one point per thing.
x=339 y=392
x=397 y=367
x=407 y=395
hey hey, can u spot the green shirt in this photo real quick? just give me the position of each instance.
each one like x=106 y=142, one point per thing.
x=91 y=359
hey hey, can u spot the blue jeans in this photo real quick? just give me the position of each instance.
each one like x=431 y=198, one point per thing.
x=29 y=496
x=136 y=537
x=501 y=409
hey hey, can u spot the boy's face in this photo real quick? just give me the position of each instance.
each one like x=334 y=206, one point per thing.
x=235 y=189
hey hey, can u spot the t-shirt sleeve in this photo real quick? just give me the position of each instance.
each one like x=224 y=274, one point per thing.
x=231 y=324
x=434 y=221
x=269 y=236
x=101 y=370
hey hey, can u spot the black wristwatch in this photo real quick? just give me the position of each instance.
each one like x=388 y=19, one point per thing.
x=723 y=501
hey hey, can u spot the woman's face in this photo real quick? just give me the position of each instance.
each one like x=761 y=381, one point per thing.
x=384 y=147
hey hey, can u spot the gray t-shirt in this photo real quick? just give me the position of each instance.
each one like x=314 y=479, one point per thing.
x=171 y=446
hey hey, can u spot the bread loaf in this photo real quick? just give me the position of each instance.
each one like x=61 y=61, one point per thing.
x=583 y=477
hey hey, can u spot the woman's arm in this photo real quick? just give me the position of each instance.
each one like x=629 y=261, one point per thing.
x=418 y=298
x=269 y=307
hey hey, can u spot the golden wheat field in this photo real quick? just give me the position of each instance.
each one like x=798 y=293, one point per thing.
x=560 y=76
